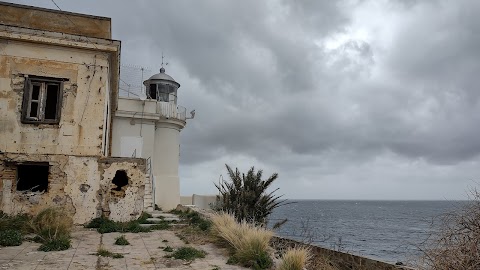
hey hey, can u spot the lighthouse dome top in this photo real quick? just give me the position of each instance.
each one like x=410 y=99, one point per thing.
x=162 y=76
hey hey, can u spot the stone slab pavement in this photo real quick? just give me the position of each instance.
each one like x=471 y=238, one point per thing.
x=144 y=252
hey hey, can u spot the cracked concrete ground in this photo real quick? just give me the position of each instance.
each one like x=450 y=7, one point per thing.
x=144 y=252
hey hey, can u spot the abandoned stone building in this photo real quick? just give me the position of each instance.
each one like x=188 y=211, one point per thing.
x=65 y=136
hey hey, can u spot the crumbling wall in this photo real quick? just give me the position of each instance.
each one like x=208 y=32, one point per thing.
x=125 y=203
x=81 y=129
x=81 y=184
x=14 y=201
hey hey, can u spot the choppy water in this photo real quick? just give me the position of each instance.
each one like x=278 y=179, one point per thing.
x=385 y=230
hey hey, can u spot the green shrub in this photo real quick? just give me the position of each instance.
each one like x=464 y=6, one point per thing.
x=10 y=238
x=56 y=244
x=246 y=197
x=121 y=241
x=105 y=225
x=134 y=227
x=205 y=225
x=96 y=222
x=20 y=222
x=188 y=253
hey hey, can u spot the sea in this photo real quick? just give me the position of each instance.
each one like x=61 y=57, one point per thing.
x=389 y=231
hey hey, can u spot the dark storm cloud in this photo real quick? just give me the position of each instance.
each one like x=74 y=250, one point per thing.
x=268 y=84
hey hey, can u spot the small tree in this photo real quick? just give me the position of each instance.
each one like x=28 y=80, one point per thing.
x=245 y=196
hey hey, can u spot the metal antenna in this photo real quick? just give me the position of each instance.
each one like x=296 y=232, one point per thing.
x=166 y=64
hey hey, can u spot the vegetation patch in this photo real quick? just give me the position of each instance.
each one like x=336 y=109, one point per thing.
x=105 y=225
x=121 y=241
x=106 y=253
x=455 y=244
x=246 y=197
x=18 y=222
x=52 y=227
x=187 y=253
x=249 y=244
x=168 y=249
x=13 y=228
x=10 y=237
x=295 y=259
x=56 y=244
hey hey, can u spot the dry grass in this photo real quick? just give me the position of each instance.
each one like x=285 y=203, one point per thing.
x=457 y=243
x=295 y=259
x=250 y=244
x=52 y=223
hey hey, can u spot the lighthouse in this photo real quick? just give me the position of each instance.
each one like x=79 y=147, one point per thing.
x=162 y=89
x=148 y=126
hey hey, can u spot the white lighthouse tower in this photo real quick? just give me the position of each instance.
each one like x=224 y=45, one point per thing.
x=149 y=127
x=166 y=149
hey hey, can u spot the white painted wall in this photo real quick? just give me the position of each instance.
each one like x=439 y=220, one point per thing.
x=165 y=166
x=137 y=120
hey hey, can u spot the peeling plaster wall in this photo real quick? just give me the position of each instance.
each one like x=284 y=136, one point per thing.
x=82 y=120
x=75 y=148
x=127 y=203
x=82 y=185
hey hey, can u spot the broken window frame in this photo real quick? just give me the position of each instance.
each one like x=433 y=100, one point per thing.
x=43 y=84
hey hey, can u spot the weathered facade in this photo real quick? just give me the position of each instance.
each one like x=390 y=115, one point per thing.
x=59 y=75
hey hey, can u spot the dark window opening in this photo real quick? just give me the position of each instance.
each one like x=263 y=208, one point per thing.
x=32 y=177
x=120 y=180
x=51 y=102
x=42 y=100
x=153 y=91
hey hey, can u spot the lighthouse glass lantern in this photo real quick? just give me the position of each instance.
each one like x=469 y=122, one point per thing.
x=162 y=87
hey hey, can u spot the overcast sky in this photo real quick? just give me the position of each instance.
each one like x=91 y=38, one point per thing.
x=344 y=99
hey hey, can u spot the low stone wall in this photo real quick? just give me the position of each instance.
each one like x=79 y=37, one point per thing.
x=341 y=259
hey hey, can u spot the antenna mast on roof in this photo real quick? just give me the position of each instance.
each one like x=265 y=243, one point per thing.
x=166 y=64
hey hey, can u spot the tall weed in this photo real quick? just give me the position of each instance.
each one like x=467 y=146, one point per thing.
x=53 y=227
x=249 y=243
x=295 y=259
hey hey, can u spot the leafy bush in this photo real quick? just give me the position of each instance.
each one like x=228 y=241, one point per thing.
x=246 y=196
x=121 y=241
x=295 y=259
x=56 y=244
x=10 y=238
x=188 y=253
x=250 y=244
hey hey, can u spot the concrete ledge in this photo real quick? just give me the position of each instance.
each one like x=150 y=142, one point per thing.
x=341 y=259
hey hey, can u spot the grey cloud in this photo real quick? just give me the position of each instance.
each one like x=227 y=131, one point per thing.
x=265 y=86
